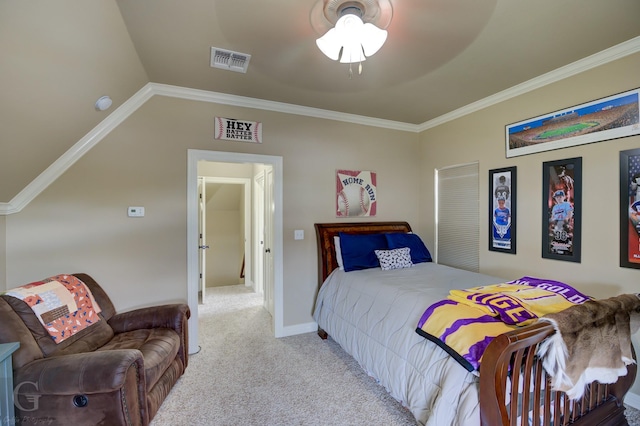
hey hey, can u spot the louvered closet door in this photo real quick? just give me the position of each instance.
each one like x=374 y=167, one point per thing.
x=457 y=217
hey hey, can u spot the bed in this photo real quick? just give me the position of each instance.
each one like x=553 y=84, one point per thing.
x=372 y=314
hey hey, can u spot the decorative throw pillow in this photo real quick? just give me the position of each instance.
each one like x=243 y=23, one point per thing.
x=419 y=252
x=358 y=250
x=394 y=259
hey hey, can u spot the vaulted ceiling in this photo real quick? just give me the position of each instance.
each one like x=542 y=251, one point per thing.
x=59 y=57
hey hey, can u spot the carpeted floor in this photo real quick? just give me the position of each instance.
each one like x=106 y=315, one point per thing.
x=633 y=416
x=243 y=376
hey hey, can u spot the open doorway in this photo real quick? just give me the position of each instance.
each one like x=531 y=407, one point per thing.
x=273 y=288
x=225 y=211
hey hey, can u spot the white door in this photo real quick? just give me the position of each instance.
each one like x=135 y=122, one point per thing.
x=259 y=233
x=202 y=237
x=268 y=240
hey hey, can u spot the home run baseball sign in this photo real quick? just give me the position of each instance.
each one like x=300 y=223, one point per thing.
x=355 y=193
x=237 y=130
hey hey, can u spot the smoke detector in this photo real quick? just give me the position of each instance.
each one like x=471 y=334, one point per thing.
x=103 y=103
x=229 y=60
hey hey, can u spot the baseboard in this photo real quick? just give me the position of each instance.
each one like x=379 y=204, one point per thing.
x=299 y=329
x=632 y=400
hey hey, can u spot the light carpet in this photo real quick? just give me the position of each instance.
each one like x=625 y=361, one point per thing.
x=244 y=376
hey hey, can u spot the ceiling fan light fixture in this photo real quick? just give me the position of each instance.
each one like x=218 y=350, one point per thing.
x=351 y=40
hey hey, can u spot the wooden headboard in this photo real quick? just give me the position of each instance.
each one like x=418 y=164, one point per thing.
x=326 y=231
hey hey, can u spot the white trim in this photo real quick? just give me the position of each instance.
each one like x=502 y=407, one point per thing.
x=632 y=400
x=293 y=330
x=619 y=51
x=58 y=167
x=73 y=154
x=241 y=101
x=193 y=156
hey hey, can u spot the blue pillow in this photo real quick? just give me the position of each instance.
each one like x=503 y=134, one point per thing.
x=419 y=252
x=358 y=251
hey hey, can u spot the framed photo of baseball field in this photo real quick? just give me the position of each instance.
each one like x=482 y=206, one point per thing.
x=356 y=193
x=630 y=208
x=502 y=210
x=562 y=209
x=612 y=117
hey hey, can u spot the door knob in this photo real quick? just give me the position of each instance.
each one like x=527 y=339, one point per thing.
x=203 y=247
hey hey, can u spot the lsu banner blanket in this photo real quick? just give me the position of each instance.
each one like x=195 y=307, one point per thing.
x=468 y=320
x=63 y=304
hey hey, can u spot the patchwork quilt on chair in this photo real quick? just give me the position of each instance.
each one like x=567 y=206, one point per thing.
x=63 y=304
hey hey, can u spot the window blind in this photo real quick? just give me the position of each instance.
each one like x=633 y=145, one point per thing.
x=457 y=222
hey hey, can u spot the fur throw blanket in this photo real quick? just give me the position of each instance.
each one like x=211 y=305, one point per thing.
x=592 y=343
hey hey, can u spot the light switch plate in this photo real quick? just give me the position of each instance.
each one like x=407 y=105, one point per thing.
x=298 y=234
x=135 y=211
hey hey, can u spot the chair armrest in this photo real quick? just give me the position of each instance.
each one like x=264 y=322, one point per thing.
x=164 y=316
x=82 y=373
x=173 y=316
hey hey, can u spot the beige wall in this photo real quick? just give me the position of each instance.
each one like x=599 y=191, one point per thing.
x=480 y=137
x=79 y=223
x=225 y=229
x=225 y=235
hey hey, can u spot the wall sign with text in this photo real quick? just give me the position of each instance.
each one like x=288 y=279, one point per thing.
x=238 y=130
x=356 y=193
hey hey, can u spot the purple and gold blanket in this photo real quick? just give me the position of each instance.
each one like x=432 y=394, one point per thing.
x=468 y=320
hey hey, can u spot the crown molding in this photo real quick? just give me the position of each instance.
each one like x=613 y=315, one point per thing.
x=241 y=101
x=91 y=139
x=618 y=51
x=73 y=154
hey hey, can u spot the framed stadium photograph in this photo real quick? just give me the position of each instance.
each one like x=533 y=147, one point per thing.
x=562 y=209
x=613 y=117
x=502 y=210
x=630 y=208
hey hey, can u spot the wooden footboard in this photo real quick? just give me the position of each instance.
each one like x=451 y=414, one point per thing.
x=530 y=391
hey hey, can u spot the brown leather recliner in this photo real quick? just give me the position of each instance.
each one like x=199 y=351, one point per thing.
x=115 y=372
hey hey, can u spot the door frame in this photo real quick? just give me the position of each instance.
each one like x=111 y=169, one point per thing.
x=202 y=239
x=193 y=156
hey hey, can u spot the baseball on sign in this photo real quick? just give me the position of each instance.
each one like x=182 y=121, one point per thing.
x=353 y=200
x=355 y=193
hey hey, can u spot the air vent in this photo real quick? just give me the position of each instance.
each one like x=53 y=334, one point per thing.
x=228 y=60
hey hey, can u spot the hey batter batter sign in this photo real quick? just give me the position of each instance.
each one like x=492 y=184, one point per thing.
x=238 y=130
x=355 y=193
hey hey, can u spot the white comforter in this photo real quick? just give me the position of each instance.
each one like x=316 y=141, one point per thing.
x=373 y=315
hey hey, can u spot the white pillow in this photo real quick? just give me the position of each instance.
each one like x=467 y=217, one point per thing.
x=336 y=244
x=394 y=259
